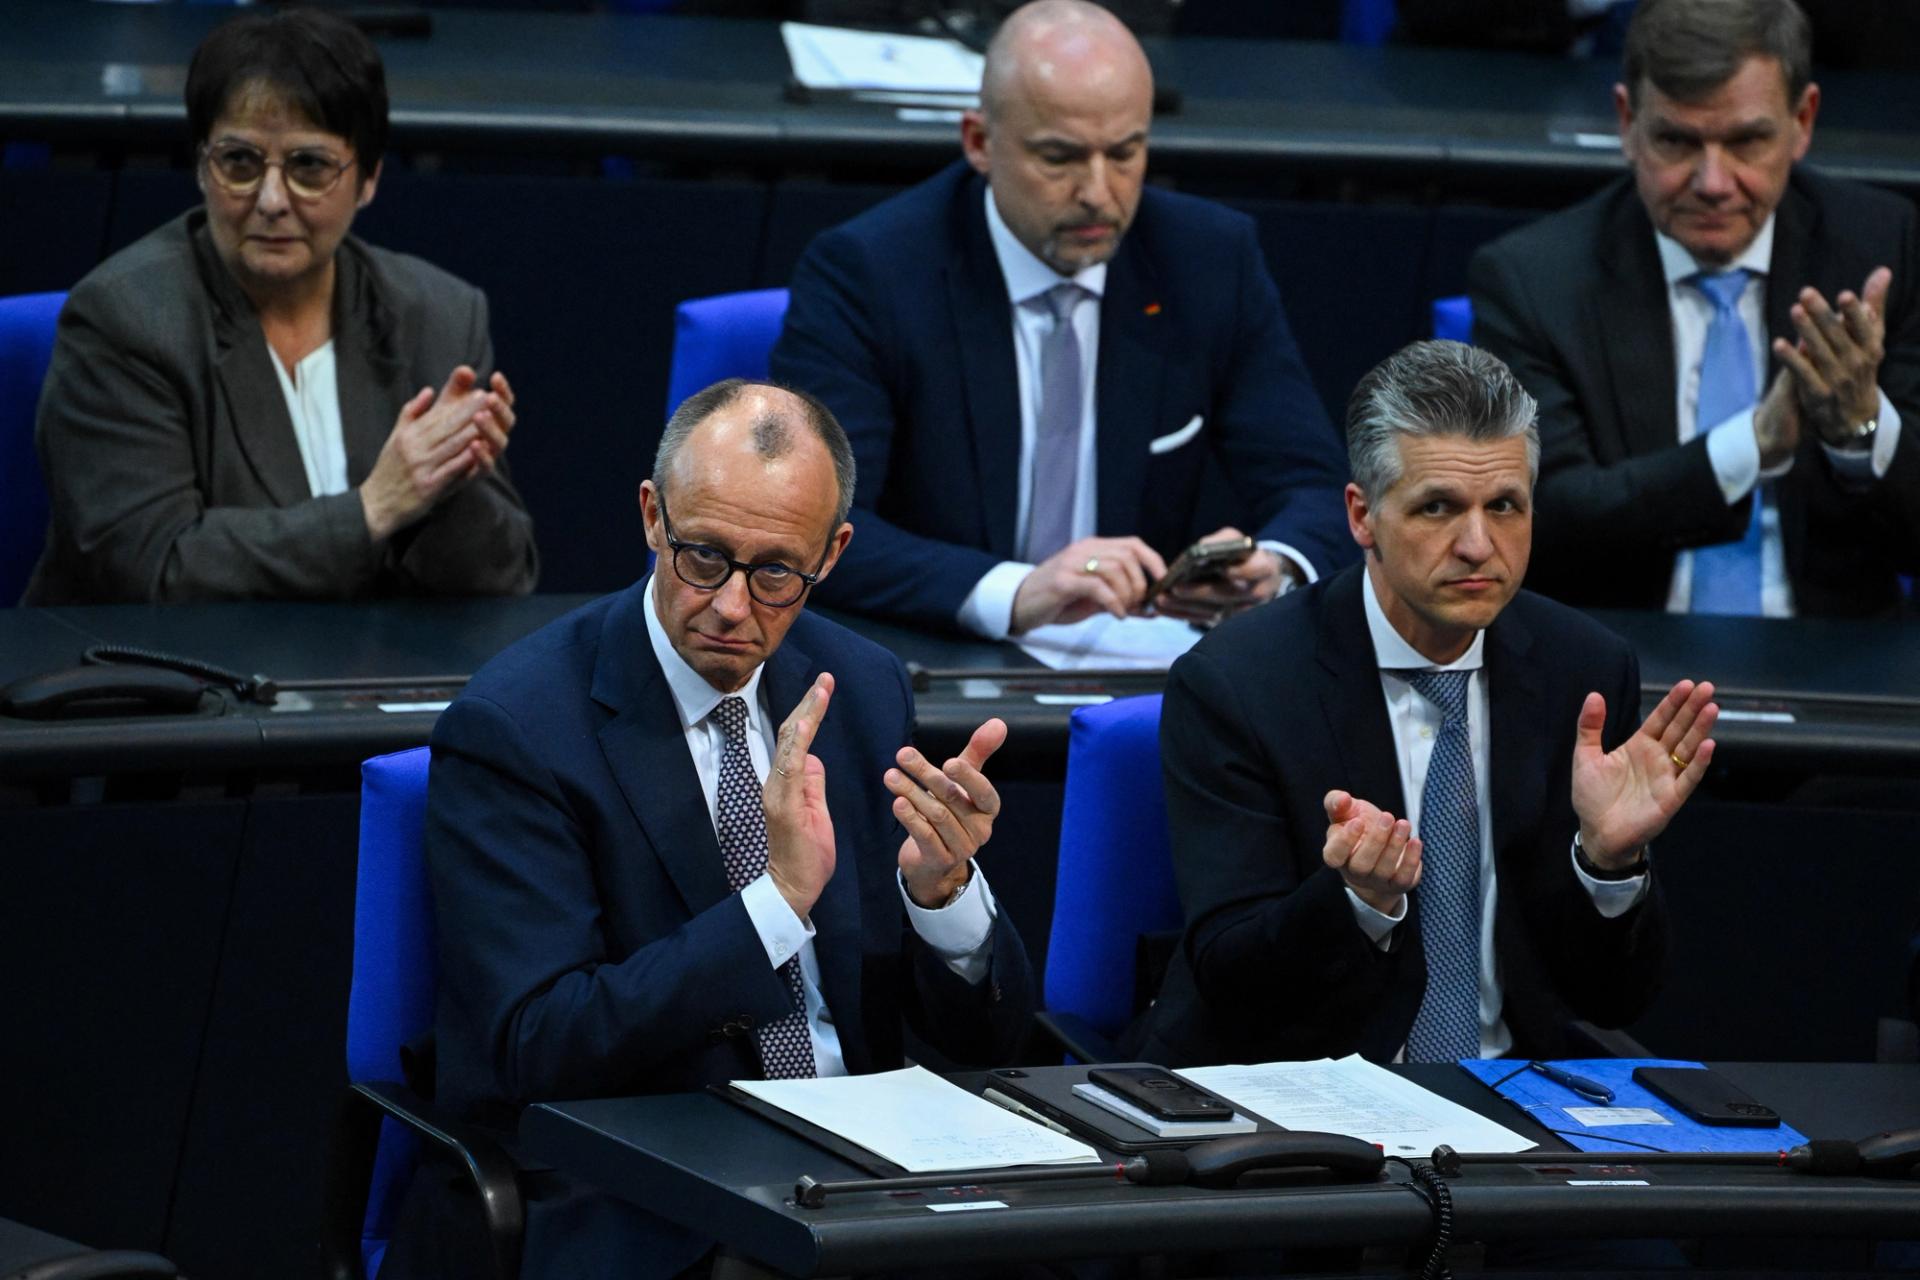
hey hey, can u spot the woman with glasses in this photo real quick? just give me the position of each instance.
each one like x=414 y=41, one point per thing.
x=252 y=403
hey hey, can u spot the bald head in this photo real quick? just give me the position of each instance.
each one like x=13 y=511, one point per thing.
x=1061 y=135
x=1063 y=47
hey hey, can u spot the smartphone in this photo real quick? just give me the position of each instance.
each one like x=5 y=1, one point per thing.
x=1160 y=1093
x=1706 y=1096
x=1203 y=562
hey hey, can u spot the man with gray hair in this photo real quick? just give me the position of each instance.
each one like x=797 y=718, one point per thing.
x=680 y=836
x=1725 y=345
x=1410 y=812
x=1056 y=378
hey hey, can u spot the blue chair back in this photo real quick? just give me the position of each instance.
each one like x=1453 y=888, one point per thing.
x=729 y=335
x=26 y=345
x=1368 y=21
x=391 y=1001
x=1116 y=868
x=1453 y=318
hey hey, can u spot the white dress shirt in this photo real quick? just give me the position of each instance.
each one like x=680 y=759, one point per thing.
x=960 y=932
x=988 y=609
x=1731 y=447
x=1416 y=723
x=313 y=402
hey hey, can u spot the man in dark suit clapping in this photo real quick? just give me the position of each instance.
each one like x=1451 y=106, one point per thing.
x=1037 y=360
x=1409 y=808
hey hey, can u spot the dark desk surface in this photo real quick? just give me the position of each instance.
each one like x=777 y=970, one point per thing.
x=711 y=90
x=715 y=1167
x=1807 y=694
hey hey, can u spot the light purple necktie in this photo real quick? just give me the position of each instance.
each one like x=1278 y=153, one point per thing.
x=786 y=1051
x=1056 y=437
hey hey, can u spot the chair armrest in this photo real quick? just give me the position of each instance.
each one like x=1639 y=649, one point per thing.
x=1075 y=1035
x=356 y=1138
x=1605 y=1042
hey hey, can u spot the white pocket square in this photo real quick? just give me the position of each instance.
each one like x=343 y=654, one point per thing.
x=1174 y=439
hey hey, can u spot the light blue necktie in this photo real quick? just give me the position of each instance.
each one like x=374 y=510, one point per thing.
x=1056 y=439
x=1447 y=1028
x=1726 y=576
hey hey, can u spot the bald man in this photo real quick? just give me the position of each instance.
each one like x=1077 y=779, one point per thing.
x=679 y=837
x=1055 y=379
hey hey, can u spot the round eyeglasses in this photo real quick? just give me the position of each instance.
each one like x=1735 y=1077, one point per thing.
x=240 y=169
x=705 y=568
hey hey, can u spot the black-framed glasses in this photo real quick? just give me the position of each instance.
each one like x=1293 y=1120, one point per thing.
x=239 y=169
x=776 y=585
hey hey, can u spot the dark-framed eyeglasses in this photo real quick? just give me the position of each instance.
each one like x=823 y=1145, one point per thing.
x=239 y=169
x=776 y=585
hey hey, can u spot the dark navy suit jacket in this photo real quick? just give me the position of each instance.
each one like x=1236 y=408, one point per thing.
x=1275 y=709
x=587 y=941
x=900 y=321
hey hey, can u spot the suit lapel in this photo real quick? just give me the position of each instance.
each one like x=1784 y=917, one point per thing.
x=1636 y=328
x=1794 y=232
x=836 y=916
x=366 y=370
x=1516 y=718
x=646 y=750
x=1351 y=696
x=243 y=367
x=982 y=317
x=1133 y=337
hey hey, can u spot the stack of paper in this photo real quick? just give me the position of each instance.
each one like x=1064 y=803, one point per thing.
x=920 y=1122
x=922 y=71
x=1354 y=1097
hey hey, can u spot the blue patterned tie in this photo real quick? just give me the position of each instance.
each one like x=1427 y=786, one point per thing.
x=1056 y=436
x=1726 y=576
x=786 y=1049
x=1447 y=1028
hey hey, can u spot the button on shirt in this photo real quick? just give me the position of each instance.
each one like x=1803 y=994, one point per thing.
x=988 y=609
x=1416 y=722
x=313 y=402
x=1731 y=448
x=959 y=933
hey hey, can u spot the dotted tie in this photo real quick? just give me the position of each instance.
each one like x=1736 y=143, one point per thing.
x=786 y=1051
x=1056 y=441
x=1726 y=576
x=1447 y=1028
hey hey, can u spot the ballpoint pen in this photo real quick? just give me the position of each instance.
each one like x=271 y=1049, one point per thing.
x=1581 y=1085
x=1019 y=1108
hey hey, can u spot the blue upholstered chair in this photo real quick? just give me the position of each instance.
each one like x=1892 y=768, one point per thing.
x=729 y=335
x=26 y=344
x=1368 y=21
x=1453 y=318
x=378 y=1143
x=1115 y=883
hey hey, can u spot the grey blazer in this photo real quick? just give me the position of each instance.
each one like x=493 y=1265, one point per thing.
x=170 y=457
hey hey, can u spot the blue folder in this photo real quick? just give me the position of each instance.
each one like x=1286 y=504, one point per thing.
x=1546 y=1102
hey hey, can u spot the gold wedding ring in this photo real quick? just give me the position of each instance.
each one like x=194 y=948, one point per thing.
x=1093 y=564
x=1678 y=763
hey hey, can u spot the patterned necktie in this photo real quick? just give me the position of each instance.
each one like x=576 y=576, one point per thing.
x=786 y=1050
x=1447 y=1028
x=1726 y=576
x=1056 y=441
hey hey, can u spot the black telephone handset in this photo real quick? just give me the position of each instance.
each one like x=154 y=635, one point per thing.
x=114 y=680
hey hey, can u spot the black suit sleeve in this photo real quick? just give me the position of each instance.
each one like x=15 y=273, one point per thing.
x=1271 y=936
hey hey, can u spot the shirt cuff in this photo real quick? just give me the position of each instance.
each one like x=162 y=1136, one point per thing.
x=1735 y=456
x=987 y=611
x=961 y=933
x=1864 y=466
x=1376 y=924
x=781 y=932
x=1304 y=574
x=1612 y=898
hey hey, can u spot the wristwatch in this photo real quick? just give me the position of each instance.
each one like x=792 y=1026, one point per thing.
x=1628 y=872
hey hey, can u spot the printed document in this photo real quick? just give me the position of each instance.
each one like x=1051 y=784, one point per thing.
x=1355 y=1097
x=920 y=1122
